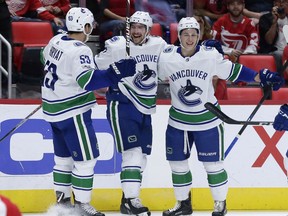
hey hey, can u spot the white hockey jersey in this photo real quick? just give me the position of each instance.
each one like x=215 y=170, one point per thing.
x=190 y=80
x=141 y=88
x=65 y=61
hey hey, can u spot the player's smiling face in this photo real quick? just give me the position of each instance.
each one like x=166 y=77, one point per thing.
x=137 y=32
x=189 y=38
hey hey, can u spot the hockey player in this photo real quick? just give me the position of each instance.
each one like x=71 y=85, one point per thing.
x=280 y=124
x=131 y=103
x=67 y=99
x=190 y=69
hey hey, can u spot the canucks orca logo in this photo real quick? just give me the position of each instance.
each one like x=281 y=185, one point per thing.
x=141 y=79
x=186 y=91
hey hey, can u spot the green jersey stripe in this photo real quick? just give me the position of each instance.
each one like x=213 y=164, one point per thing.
x=190 y=118
x=55 y=107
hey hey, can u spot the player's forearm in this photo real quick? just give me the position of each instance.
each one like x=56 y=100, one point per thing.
x=248 y=75
x=96 y=79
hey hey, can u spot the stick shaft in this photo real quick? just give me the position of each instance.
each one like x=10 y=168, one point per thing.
x=266 y=94
x=128 y=28
x=21 y=123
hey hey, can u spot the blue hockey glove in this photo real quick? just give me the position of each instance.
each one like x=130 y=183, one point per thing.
x=124 y=68
x=270 y=78
x=281 y=119
x=108 y=77
x=214 y=43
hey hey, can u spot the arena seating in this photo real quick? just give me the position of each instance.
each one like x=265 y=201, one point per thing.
x=173 y=33
x=244 y=93
x=28 y=38
x=258 y=61
x=281 y=94
x=156 y=30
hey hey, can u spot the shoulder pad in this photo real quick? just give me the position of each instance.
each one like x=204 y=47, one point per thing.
x=114 y=39
x=79 y=44
x=168 y=49
x=207 y=48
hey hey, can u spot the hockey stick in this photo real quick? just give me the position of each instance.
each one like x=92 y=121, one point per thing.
x=267 y=92
x=128 y=28
x=212 y=108
x=21 y=122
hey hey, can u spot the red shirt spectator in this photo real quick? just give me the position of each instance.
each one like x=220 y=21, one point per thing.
x=114 y=16
x=213 y=9
x=57 y=7
x=22 y=7
x=115 y=9
x=236 y=32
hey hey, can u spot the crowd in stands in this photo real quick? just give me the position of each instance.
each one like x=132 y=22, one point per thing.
x=242 y=26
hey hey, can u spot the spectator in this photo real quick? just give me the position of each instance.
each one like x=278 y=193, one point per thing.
x=178 y=7
x=236 y=32
x=5 y=27
x=256 y=8
x=58 y=8
x=159 y=10
x=284 y=59
x=114 y=16
x=272 y=39
x=26 y=10
x=94 y=7
x=259 y=6
x=205 y=28
x=211 y=10
x=214 y=9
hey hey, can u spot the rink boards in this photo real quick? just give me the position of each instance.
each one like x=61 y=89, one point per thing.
x=255 y=167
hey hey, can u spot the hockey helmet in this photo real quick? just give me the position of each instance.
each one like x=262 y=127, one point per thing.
x=142 y=18
x=187 y=23
x=77 y=18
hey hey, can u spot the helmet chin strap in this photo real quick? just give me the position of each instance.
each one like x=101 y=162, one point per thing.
x=86 y=39
x=87 y=34
x=145 y=37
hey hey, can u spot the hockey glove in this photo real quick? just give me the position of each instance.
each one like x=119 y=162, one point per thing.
x=281 y=119
x=213 y=43
x=270 y=78
x=123 y=68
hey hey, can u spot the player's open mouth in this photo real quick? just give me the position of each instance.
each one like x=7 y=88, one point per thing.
x=190 y=44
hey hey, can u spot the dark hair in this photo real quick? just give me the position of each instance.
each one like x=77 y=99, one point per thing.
x=231 y=1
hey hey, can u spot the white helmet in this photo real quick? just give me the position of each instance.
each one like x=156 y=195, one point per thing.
x=186 y=23
x=77 y=18
x=142 y=18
